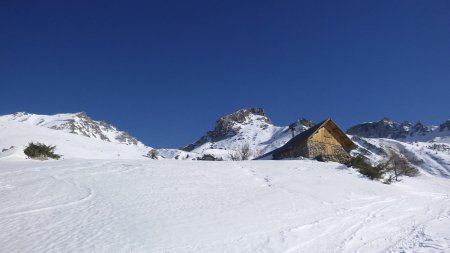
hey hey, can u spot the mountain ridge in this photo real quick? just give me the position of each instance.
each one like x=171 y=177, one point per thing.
x=425 y=145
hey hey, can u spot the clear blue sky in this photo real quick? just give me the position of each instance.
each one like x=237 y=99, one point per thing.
x=166 y=70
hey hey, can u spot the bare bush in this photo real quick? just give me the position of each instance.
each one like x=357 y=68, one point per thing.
x=153 y=154
x=245 y=152
x=234 y=156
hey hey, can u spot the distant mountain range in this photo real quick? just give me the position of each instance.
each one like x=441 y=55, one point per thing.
x=425 y=145
x=406 y=131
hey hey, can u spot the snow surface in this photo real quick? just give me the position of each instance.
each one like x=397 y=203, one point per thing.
x=107 y=197
x=82 y=205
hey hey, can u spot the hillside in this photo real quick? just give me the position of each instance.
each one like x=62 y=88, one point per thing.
x=75 y=136
x=425 y=146
x=429 y=157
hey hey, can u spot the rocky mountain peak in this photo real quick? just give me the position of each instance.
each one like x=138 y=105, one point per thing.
x=306 y=122
x=230 y=125
x=82 y=115
x=243 y=115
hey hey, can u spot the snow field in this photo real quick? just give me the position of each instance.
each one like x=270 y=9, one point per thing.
x=129 y=205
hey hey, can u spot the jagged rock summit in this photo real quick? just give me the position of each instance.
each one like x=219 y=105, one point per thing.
x=230 y=125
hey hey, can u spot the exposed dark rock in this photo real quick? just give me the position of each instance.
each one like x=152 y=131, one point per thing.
x=125 y=137
x=380 y=129
x=307 y=123
x=86 y=126
x=82 y=124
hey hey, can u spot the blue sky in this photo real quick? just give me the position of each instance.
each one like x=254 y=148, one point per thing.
x=166 y=70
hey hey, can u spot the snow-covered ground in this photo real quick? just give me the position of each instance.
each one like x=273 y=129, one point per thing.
x=142 y=205
x=105 y=195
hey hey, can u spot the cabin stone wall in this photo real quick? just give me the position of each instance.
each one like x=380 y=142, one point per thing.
x=295 y=152
x=318 y=150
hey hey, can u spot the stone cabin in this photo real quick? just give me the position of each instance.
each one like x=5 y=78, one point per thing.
x=324 y=142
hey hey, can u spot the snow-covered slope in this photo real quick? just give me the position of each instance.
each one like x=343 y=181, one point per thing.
x=75 y=123
x=74 y=135
x=427 y=147
x=249 y=126
x=189 y=206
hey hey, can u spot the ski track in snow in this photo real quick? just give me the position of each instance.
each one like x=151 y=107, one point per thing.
x=256 y=206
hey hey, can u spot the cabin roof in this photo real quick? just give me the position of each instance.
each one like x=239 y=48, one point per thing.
x=305 y=134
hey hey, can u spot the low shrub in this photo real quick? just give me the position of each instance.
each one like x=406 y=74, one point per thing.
x=365 y=167
x=40 y=151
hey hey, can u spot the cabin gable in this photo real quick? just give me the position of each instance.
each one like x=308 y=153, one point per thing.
x=324 y=135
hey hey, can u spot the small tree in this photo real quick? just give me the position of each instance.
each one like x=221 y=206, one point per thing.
x=396 y=166
x=40 y=151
